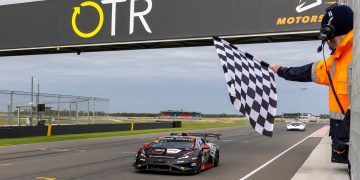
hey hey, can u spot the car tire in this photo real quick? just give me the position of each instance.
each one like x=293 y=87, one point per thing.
x=198 y=170
x=217 y=159
x=136 y=169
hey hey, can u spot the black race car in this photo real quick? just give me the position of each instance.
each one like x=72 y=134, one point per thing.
x=183 y=153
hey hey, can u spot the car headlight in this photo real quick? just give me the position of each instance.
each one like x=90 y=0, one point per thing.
x=142 y=153
x=186 y=155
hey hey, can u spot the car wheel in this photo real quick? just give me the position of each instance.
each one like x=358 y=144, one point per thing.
x=136 y=168
x=198 y=169
x=217 y=159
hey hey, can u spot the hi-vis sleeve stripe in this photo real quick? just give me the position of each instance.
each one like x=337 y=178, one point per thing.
x=318 y=71
x=313 y=71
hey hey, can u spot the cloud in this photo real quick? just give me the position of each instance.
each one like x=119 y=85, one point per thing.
x=159 y=79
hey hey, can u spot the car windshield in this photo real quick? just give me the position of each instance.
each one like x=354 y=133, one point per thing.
x=296 y=124
x=179 y=143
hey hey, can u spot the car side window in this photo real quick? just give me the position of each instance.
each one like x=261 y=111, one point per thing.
x=203 y=142
x=200 y=143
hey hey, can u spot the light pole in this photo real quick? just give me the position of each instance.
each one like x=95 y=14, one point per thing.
x=32 y=99
x=302 y=101
x=18 y=114
x=38 y=101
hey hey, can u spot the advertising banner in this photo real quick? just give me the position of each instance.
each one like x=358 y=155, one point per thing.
x=51 y=26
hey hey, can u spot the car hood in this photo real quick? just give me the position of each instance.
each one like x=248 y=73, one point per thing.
x=166 y=152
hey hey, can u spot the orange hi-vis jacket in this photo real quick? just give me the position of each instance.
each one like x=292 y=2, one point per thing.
x=340 y=67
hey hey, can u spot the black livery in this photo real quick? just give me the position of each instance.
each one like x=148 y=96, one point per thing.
x=179 y=153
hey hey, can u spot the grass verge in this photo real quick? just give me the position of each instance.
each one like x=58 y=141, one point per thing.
x=185 y=126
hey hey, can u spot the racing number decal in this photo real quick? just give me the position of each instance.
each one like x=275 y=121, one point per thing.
x=77 y=12
x=212 y=150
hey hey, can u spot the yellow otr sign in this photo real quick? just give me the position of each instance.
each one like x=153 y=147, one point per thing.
x=77 y=12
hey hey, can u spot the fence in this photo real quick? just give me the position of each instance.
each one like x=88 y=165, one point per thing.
x=21 y=108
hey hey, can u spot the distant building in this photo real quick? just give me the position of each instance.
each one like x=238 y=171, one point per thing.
x=324 y=116
x=179 y=115
x=298 y=115
x=291 y=115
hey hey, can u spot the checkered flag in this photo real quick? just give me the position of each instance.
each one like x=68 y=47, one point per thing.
x=251 y=86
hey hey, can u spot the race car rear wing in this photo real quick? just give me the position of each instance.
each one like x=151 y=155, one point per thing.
x=205 y=135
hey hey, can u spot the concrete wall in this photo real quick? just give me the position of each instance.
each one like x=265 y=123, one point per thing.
x=355 y=104
x=88 y=128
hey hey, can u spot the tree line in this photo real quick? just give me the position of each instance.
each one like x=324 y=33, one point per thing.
x=157 y=115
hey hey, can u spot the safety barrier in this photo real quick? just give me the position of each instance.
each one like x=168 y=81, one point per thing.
x=29 y=131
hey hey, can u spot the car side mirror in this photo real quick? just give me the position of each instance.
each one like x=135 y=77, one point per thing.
x=205 y=147
x=146 y=144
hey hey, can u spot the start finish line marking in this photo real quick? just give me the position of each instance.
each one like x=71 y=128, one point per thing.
x=321 y=131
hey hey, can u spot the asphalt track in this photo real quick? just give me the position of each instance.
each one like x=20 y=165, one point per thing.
x=241 y=152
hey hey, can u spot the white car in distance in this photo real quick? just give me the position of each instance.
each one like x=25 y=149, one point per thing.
x=299 y=126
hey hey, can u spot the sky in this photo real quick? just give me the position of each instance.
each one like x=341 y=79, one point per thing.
x=154 y=80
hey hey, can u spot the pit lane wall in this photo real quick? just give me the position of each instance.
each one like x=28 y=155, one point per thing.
x=29 y=131
x=355 y=104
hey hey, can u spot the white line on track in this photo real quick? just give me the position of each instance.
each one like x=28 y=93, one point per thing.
x=276 y=157
x=61 y=150
x=227 y=140
x=80 y=150
x=6 y=164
